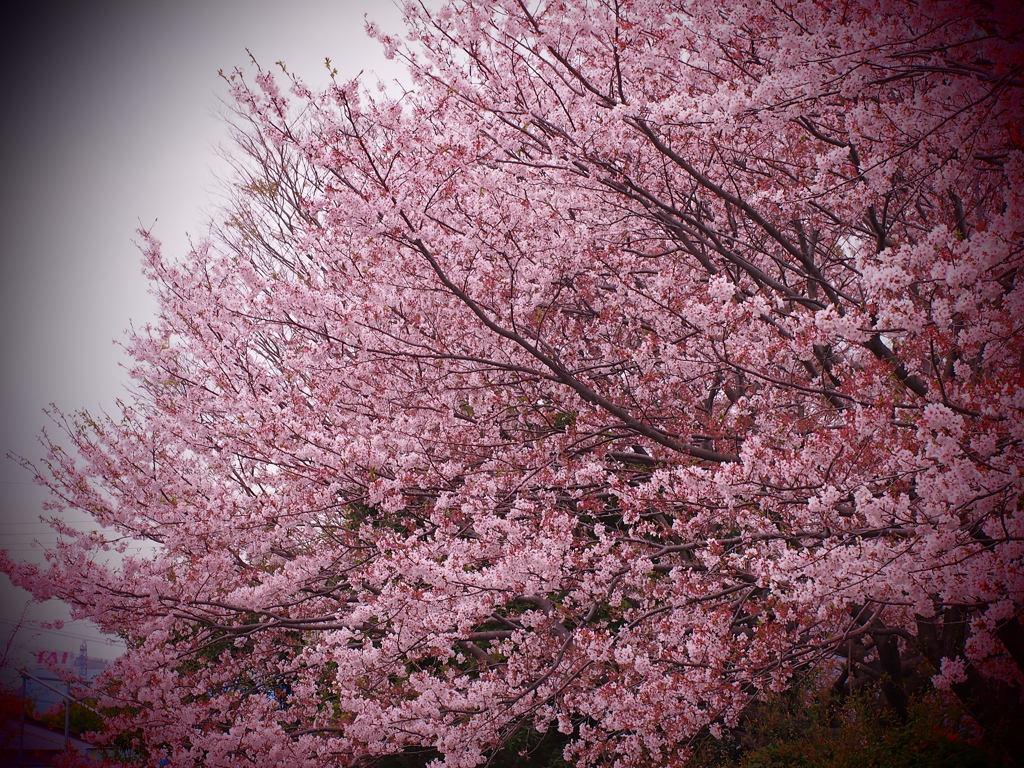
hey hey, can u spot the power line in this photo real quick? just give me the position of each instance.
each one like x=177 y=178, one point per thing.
x=27 y=627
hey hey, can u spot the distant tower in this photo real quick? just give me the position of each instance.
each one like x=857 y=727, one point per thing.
x=82 y=662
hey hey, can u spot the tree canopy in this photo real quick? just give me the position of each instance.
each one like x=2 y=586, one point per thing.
x=642 y=356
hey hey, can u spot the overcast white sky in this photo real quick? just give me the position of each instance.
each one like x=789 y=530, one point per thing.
x=111 y=122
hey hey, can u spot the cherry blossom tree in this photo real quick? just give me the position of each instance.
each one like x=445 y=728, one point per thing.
x=641 y=359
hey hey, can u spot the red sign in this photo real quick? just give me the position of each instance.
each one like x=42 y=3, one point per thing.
x=53 y=657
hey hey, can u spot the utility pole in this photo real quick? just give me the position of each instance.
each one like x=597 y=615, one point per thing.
x=67 y=717
x=21 y=737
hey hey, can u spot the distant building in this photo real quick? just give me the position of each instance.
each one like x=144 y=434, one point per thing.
x=85 y=667
x=50 y=662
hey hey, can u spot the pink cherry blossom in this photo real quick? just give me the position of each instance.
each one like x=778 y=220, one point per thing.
x=640 y=360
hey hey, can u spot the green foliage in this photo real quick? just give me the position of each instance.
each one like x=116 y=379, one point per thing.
x=811 y=730
x=530 y=749
x=527 y=748
x=418 y=758
x=81 y=719
x=803 y=729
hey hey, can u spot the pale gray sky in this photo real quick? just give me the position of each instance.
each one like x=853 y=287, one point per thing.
x=111 y=122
